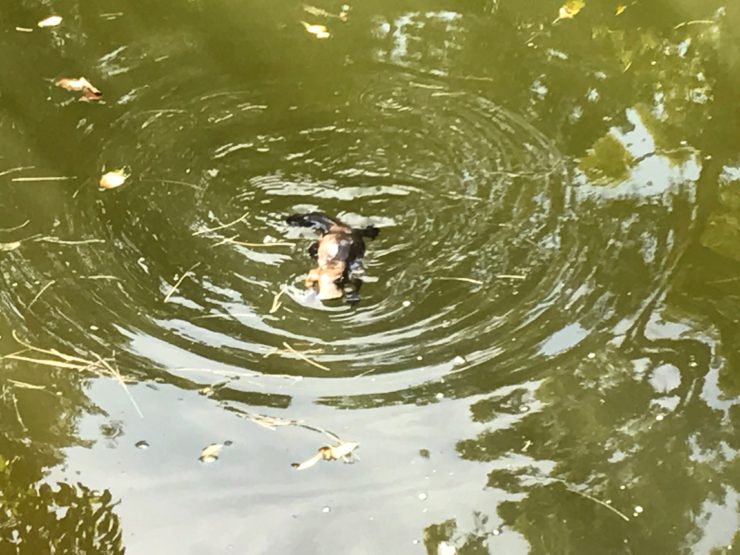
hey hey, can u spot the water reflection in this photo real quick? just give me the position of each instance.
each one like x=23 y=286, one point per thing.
x=551 y=303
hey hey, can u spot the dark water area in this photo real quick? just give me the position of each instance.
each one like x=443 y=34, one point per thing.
x=544 y=358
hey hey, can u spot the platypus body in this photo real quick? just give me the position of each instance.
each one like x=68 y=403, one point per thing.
x=338 y=253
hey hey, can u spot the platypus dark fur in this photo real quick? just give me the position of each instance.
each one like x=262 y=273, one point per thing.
x=338 y=253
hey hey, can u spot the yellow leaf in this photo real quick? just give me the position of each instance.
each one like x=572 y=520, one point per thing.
x=620 y=9
x=51 y=21
x=211 y=452
x=113 y=179
x=319 y=31
x=570 y=9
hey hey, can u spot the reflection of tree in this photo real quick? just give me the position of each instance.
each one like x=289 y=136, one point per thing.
x=598 y=432
x=38 y=415
x=71 y=518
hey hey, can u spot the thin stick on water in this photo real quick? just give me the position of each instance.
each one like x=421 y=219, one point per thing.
x=467 y=280
x=46 y=178
x=305 y=358
x=18 y=169
x=179 y=281
x=510 y=276
x=26 y=385
x=232 y=241
x=600 y=502
x=695 y=22
x=225 y=240
x=44 y=288
x=116 y=374
x=222 y=226
x=276 y=304
x=16 y=228
x=58 y=241
x=185 y=183
x=102 y=276
x=18 y=413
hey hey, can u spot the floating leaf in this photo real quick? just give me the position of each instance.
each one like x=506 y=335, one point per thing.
x=342 y=450
x=319 y=31
x=211 y=452
x=51 y=21
x=620 y=8
x=570 y=9
x=10 y=246
x=113 y=179
x=80 y=84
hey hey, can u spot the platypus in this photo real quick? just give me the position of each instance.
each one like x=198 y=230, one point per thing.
x=338 y=253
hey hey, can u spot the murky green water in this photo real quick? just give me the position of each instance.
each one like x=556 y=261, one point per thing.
x=545 y=356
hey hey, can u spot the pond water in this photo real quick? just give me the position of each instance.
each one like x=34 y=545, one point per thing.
x=544 y=358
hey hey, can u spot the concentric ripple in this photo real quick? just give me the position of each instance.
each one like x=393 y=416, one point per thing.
x=479 y=258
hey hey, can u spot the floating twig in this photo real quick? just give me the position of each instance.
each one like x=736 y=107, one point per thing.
x=16 y=228
x=222 y=226
x=232 y=241
x=276 y=304
x=695 y=22
x=45 y=178
x=467 y=280
x=44 y=288
x=176 y=182
x=18 y=169
x=179 y=281
x=100 y=366
x=510 y=276
x=58 y=241
x=305 y=358
x=598 y=501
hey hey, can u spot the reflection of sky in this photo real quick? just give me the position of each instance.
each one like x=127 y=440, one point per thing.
x=653 y=175
x=564 y=339
x=408 y=45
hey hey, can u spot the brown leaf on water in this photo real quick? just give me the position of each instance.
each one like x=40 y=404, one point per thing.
x=570 y=9
x=80 y=84
x=342 y=450
x=210 y=452
x=51 y=21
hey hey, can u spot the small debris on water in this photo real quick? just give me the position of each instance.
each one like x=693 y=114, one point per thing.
x=638 y=509
x=591 y=355
x=406 y=304
x=419 y=357
x=211 y=452
x=326 y=509
x=80 y=84
x=423 y=496
x=458 y=361
x=445 y=548
x=319 y=31
x=113 y=179
x=439 y=396
x=142 y=444
x=424 y=453
x=341 y=451
x=497 y=531
x=524 y=408
x=570 y=9
x=51 y=21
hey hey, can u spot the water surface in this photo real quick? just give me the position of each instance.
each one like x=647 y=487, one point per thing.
x=544 y=356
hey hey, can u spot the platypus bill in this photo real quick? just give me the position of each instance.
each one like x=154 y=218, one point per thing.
x=338 y=253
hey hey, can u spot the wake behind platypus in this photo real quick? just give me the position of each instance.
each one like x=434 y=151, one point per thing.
x=338 y=253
